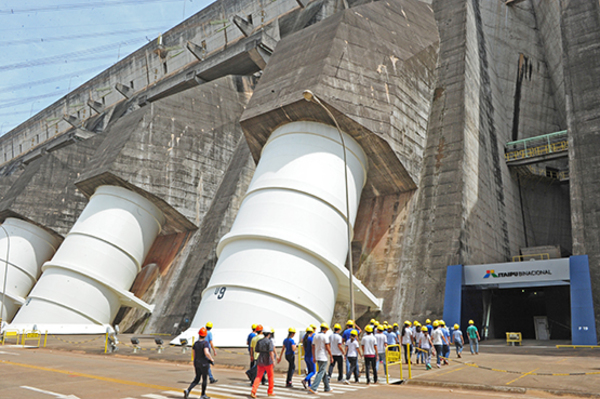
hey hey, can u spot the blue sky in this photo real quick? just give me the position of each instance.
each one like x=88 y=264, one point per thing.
x=50 y=47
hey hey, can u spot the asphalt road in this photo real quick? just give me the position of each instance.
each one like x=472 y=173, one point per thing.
x=46 y=374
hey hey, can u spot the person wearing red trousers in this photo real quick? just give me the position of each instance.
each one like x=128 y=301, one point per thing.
x=265 y=361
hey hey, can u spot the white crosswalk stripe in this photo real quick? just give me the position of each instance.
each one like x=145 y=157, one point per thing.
x=242 y=390
x=280 y=392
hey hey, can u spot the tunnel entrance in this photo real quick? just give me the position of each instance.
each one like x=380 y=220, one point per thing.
x=542 y=300
x=535 y=312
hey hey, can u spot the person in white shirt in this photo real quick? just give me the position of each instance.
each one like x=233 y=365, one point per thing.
x=407 y=340
x=425 y=344
x=369 y=348
x=337 y=352
x=381 y=345
x=321 y=348
x=438 y=339
x=352 y=353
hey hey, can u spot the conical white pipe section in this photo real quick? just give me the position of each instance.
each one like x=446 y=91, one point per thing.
x=83 y=286
x=24 y=247
x=281 y=262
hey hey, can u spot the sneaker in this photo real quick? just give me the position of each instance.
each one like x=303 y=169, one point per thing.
x=204 y=397
x=213 y=381
x=252 y=395
x=346 y=382
x=289 y=385
x=312 y=392
x=271 y=394
x=304 y=384
x=428 y=367
x=439 y=366
x=185 y=393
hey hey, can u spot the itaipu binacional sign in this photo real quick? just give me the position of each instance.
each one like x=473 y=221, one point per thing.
x=518 y=272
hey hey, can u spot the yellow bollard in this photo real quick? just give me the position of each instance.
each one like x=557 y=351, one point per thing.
x=193 y=348
x=409 y=363
x=106 y=343
x=45 y=338
x=299 y=358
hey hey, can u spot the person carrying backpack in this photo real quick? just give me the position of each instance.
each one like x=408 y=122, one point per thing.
x=264 y=362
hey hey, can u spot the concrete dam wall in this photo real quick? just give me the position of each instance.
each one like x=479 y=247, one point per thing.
x=430 y=92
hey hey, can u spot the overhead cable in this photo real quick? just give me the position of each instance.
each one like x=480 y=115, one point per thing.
x=79 y=6
x=63 y=57
x=78 y=36
x=28 y=84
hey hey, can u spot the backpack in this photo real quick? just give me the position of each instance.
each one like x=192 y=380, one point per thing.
x=263 y=346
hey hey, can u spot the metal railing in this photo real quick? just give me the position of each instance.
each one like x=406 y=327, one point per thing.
x=536 y=146
x=560 y=175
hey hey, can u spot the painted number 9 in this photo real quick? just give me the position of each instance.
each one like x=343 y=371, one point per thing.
x=220 y=292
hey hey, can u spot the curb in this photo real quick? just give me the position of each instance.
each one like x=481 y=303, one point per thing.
x=473 y=387
x=494 y=388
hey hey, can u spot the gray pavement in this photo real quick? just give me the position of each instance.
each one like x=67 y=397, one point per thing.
x=536 y=369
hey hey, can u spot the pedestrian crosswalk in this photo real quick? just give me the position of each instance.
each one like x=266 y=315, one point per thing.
x=241 y=390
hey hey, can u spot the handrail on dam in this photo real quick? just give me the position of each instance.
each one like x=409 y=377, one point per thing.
x=544 y=145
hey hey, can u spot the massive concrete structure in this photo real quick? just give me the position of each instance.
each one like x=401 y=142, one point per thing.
x=430 y=91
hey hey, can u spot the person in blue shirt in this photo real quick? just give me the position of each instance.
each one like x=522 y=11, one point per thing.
x=249 y=341
x=289 y=346
x=308 y=357
x=209 y=339
x=429 y=326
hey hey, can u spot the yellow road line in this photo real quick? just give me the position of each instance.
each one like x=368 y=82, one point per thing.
x=97 y=377
x=452 y=371
x=521 y=376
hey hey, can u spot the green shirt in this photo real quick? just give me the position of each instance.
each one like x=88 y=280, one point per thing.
x=472 y=331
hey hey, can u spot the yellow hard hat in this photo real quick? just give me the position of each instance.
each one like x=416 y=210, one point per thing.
x=427 y=321
x=309 y=329
x=354 y=332
x=442 y=323
x=423 y=329
x=436 y=323
x=209 y=324
x=372 y=321
x=336 y=326
x=395 y=324
x=385 y=323
x=407 y=323
x=471 y=322
x=325 y=325
x=416 y=323
x=292 y=330
x=272 y=330
x=350 y=323
x=254 y=326
x=380 y=327
x=369 y=328
x=313 y=327
x=456 y=326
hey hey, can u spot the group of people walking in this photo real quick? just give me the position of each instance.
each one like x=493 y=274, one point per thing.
x=420 y=342
x=327 y=349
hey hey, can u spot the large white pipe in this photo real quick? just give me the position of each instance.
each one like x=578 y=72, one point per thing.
x=282 y=263
x=84 y=285
x=25 y=247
